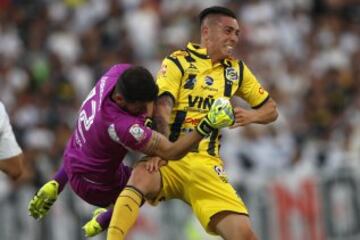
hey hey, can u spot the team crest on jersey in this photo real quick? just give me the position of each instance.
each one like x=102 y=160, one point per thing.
x=137 y=132
x=221 y=173
x=112 y=133
x=209 y=80
x=231 y=74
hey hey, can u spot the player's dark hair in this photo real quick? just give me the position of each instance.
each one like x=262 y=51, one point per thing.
x=136 y=84
x=215 y=10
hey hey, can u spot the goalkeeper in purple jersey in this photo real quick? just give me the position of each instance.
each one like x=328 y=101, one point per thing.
x=112 y=121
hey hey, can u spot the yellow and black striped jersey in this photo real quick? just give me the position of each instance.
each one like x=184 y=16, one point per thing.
x=193 y=82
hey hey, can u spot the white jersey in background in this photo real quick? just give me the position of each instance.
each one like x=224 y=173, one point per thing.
x=8 y=144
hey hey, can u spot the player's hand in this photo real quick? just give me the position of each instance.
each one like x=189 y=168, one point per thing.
x=154 y=163
x=220 y=115
x=40 y=204
x=93 y=227
x=243 y=117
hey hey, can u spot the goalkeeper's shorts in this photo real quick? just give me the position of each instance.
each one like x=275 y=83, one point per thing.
x=96 y=193
x=201 y=182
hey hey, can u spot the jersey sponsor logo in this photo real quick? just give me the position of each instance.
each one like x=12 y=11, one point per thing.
x=137 y=132
x=198 y=102
x=221 y=173
x=231 y=74
x=209 y=80
x=112 y=133
x=261 y=90
x=190 y=83
x=192 y=121
x=212 y=89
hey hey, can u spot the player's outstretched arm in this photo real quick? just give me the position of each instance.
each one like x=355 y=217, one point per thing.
x=13 y=166
x=220 y=115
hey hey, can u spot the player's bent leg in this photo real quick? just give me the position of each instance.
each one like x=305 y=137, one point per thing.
x=148 y=183
x=232 y=226
x=141 y=183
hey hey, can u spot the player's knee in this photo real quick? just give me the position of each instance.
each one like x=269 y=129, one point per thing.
x=241 y=233
x=232 y=226
x=145 y=181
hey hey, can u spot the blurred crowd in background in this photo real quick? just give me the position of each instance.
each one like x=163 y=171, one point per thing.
x=306 y=53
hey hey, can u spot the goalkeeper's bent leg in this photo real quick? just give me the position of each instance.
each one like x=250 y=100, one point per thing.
x=105 y=217
x=125 y=213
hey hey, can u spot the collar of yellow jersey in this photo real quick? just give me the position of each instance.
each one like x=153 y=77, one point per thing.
x=202 y=52
x=197 y=50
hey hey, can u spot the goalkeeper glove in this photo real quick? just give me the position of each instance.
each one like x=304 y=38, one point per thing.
x=40 y=204
x=220 y=115
x=93 y=227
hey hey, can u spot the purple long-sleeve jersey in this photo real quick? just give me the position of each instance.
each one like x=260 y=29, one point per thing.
x=103 y=134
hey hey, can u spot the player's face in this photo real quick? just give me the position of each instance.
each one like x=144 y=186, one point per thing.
x=134 y=108
x=138 y=108
x=223 y=36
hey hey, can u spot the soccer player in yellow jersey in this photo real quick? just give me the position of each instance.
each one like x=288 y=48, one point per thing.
x=189 y=81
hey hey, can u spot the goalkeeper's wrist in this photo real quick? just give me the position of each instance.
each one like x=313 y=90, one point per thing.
x=204 y=128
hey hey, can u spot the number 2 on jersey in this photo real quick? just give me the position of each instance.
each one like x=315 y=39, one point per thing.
x=85 y=120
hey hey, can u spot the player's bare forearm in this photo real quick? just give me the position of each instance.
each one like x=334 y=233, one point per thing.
x=267 y=113
x=263 y=115
x=160 y=146
x=13 y=166
x=220 y=115
x=183 y=145
x=162 y=126
x=162 y=114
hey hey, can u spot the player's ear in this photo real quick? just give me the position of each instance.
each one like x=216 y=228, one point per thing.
x=118 y=98
x=204 y=30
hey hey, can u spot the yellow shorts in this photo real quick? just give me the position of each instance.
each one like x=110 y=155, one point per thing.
x=200 y=181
